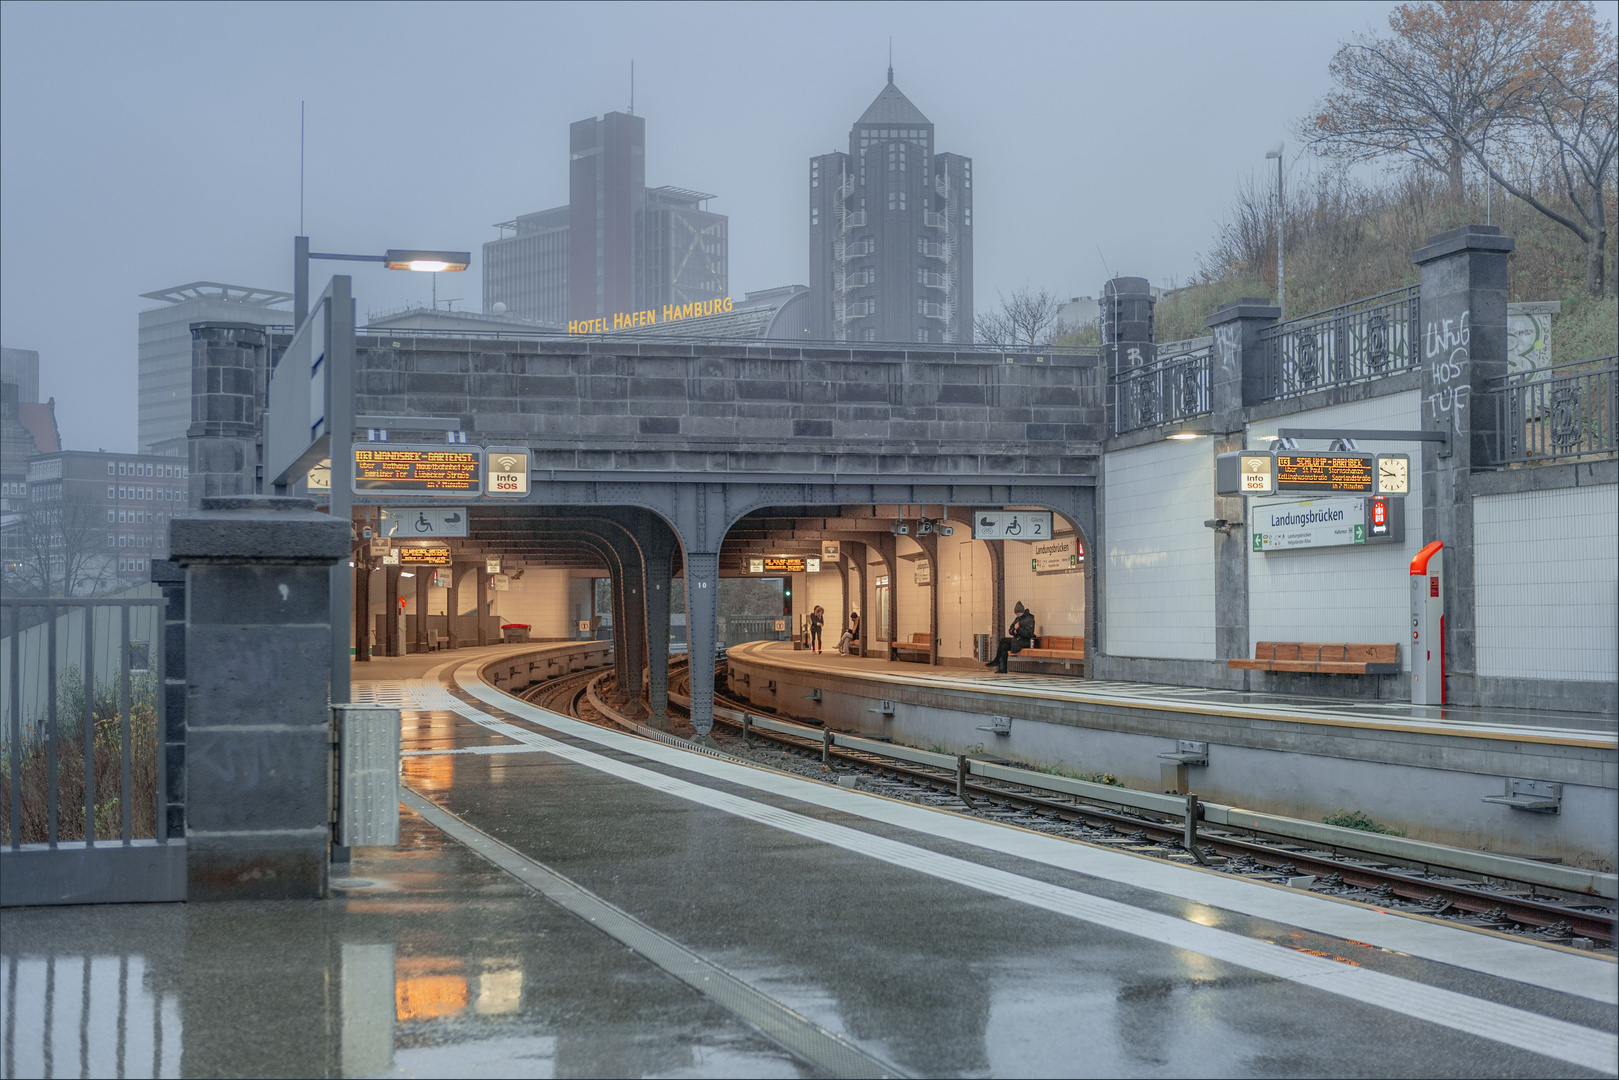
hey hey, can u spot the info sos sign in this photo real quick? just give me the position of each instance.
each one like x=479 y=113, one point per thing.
x=506 y=471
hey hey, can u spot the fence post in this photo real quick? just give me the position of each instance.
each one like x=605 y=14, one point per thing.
x=1464 y=347
x=258 y=668
x=170 y=578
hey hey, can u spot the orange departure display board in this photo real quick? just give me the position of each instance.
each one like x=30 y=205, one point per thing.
x=1350 y=474
x=424 y=556
x=381 y=469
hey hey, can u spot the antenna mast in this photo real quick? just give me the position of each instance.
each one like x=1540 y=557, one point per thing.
x=632 y=87
x=300 y=168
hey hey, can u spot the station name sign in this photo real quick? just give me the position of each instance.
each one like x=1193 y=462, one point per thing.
x=1329 y=522
x=1288 y=472
x=634 y=320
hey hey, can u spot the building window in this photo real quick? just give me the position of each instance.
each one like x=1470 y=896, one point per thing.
x=110 y=469
x=112 y=492
x=111 y=517
x=870 y=335
x=967 y=216
x=815 y=215
x=921 y=335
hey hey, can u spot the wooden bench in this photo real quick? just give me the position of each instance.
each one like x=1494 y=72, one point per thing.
x=437 y=640
x=1322 y=658
x=919 y=647
x=1054 y=647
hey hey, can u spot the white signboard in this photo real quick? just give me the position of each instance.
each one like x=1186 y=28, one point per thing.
x=1258 y=474
x=831 y=550
x=1011 y=524
x=756 y=566
x=491 y=566
x=1055 y=555
x=380 y=547
x=781 y=624
x=812 y=565
x=391 y=558
x=500 y=583
x=924 y=572
x=399 y=522
x=506 y=471
x=584 y=626
x=1289 y=526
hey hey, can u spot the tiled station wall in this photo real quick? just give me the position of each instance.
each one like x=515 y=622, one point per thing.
x=1546 y=569
x=1159 y=582
x=1357 y=593
x=538 y=598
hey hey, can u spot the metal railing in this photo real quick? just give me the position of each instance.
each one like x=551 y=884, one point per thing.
x=1356 y=342
x=1556 y=413
x=735 y=629
x=83 y=704
x=1171 y=389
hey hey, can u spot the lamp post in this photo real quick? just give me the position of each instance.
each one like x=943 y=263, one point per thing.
x=393 y=259
x=1281 y=219
x=340 y=411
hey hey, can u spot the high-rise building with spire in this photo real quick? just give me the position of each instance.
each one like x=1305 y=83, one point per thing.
x=891 y=232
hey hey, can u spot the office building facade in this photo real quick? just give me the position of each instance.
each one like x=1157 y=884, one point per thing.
x=617 y=246
x=27 y=426
x=891 y=232
x=164 y=393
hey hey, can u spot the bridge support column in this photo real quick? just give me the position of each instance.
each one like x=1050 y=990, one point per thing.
x=421 y=573
x=702 y=612
x=391 y=645
x=657 y=551
x=629 y=636
x=258 y=711
x=482 y=636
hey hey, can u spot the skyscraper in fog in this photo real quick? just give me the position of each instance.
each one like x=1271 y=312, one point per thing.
x=891 y=232
x=617 y=246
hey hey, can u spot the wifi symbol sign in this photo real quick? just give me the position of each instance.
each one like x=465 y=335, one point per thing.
x=506 y=463
x=508 y=473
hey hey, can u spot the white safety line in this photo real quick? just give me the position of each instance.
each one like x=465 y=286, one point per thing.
x=1487 y=953
x=1526 y=1030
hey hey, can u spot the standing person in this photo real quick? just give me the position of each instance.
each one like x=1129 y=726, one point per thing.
x=1020 y=635
x=850 y=633
x=817 y=622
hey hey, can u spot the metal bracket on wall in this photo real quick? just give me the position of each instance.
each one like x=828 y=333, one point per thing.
x=1536 y=796
x=884 y=708
x=999 y=725
x=1188 y=752
x=813 y=695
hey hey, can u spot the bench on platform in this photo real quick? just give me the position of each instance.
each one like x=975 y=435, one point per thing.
x=919 y=647
x=1322 y=658
x=1055 y=647
x=437 y=640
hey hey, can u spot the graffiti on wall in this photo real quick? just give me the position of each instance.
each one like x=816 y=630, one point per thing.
x=1445 y=345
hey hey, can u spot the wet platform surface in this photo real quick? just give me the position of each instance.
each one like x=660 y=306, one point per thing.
x=931 y=943
x=1530 y=724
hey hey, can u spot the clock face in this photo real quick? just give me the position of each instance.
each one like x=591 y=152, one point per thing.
x=1394 y=475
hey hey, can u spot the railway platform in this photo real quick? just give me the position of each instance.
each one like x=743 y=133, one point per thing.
x=569 y=899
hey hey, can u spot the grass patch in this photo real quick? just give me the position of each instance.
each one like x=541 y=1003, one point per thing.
x=1359 y=819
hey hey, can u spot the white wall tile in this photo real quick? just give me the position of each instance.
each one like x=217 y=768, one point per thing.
x=1160 y=558
x=1546 y=570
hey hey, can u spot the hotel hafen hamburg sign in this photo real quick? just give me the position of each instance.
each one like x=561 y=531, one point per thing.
x=634 y=320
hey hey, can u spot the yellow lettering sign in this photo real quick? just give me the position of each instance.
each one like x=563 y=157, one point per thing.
x=631 y=320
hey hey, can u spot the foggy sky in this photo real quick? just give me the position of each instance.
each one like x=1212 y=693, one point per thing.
x=145 y=145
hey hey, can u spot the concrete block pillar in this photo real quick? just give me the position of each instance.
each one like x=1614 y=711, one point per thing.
x=1464 y=346
x=392 y=645
x=419 y=645
x=1127 y=342
x=258 y=719
x=702 y=612
x=229 y=370
x=1238 y=378
x=171 y=580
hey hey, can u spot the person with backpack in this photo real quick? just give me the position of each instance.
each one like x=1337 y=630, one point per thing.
x=1020 y=635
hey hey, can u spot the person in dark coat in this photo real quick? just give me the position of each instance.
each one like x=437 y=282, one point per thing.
x=1020 y=635
x=817 y=621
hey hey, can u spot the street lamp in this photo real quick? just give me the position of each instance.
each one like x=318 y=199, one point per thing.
x=1281 y=293
x=394 y=259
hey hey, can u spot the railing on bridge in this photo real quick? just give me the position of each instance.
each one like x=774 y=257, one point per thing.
x=1355 y=342
x=83 y=772
x=1556 y=413
x=1171 y=389
x=735 y=629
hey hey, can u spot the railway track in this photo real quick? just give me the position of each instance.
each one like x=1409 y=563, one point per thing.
x=1376 y=881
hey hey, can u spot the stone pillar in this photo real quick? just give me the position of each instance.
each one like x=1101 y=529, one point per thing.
x=171 y=579
x=1127 y=340
x=997 y=601
x=361 y=594
x=930 y=549
x=1464 y=346
x=229 y=367
x=629 y=636
x=702 y=610
x=452 y=601
x=258 y=715
x=1238 y=379
x=483 y=604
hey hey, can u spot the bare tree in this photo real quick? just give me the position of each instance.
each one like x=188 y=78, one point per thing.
x=59 y=549
x=1447 y=77
x=1028 y=317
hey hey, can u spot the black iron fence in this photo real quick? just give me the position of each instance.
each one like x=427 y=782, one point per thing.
x=1555 y=413
x=1355 y=342
x=1171 y=389
x=83 y=815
